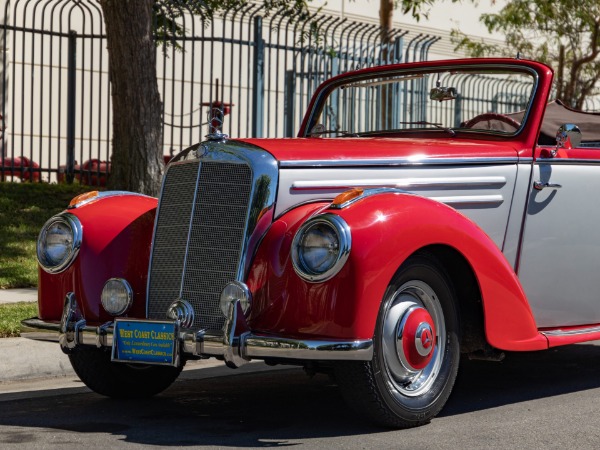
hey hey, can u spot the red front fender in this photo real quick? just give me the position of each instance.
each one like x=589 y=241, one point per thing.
x=386 y=229
x=117 y=236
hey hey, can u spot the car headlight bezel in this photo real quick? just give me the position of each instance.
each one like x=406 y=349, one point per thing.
x=73 y=224
x=340 y=230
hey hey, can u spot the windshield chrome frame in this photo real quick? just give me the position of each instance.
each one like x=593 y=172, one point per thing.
x=413 y=72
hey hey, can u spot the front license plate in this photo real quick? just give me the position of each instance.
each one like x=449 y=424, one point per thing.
x=139 y=341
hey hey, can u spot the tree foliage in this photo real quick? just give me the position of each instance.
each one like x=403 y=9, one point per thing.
x=418 y=9
x=166 y=12
x=564 y=34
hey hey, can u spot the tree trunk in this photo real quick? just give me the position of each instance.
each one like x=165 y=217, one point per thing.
x=386 y=12
x=137 y=161
x=560 y=73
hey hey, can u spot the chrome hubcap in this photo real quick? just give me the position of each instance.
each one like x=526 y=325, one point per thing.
x=414 y=338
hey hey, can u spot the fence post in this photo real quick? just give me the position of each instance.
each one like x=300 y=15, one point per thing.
x=458 y=110
x=289 y=103
x=258 y=93
x=71 y=96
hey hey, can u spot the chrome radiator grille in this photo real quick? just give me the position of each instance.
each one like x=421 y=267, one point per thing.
x=199 y=237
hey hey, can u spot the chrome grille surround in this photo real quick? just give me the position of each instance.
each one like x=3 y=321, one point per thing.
x=217 y=202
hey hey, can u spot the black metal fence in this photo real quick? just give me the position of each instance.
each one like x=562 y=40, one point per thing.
x=261 y=70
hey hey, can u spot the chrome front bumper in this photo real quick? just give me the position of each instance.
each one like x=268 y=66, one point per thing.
x=236 y=345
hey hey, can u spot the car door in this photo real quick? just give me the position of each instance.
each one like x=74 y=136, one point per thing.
x=559 y=266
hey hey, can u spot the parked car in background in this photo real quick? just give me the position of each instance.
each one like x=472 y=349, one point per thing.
x=424 y=211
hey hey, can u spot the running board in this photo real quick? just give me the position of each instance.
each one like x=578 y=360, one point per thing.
x=571 y=335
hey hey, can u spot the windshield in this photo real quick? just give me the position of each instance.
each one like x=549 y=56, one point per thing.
x=447 y=101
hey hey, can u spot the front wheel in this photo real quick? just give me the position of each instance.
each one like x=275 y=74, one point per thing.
x=120 y=380
x=416 y=350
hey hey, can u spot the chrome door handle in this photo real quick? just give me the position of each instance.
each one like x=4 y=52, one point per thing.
x=540 y=185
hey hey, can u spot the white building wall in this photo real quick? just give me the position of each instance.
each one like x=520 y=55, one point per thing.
x=36 y=77
x=442 y=18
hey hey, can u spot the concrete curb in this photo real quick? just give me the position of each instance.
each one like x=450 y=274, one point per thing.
x=24 y=359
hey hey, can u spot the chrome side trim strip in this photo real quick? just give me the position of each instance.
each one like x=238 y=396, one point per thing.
x=568 y=161
x=409 y=183
x=457 y=201
x=399 y=162
x=576 y=332
x=466 y=200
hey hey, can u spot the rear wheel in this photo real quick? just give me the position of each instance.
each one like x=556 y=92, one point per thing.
x=120 y=380
x=416 y=350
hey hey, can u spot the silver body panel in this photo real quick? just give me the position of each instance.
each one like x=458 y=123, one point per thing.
x=482 y=193
x=560 y=255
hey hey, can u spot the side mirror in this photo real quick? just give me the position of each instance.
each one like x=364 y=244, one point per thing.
x=568 y=136
x=441 y=94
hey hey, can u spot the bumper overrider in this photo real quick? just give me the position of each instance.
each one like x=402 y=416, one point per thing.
x=237 y=344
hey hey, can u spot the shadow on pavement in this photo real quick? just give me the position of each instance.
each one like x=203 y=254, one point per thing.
x=280 y=408
x=524 y=376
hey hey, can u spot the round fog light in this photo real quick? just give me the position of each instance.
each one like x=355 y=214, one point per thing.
x=117 y=296
x=235 y=291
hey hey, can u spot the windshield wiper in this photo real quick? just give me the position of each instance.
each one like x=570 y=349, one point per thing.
x=450 y=131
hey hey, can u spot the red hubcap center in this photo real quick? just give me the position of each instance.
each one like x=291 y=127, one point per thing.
x=417 y=338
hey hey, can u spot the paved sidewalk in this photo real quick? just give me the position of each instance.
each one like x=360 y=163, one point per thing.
x=23 y=359
x=18 y=295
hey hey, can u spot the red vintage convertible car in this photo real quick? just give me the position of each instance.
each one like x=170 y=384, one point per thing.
x=425 y=211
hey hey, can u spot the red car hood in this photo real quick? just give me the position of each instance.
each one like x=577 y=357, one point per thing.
x=329 y=149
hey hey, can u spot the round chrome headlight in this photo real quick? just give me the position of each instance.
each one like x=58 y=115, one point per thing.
x=321 y=247
x=59 y=242
x=117 y=296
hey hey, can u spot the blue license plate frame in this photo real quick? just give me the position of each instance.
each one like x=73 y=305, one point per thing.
x=145 y=342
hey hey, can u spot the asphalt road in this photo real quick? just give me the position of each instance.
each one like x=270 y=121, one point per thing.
x=545 y=400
